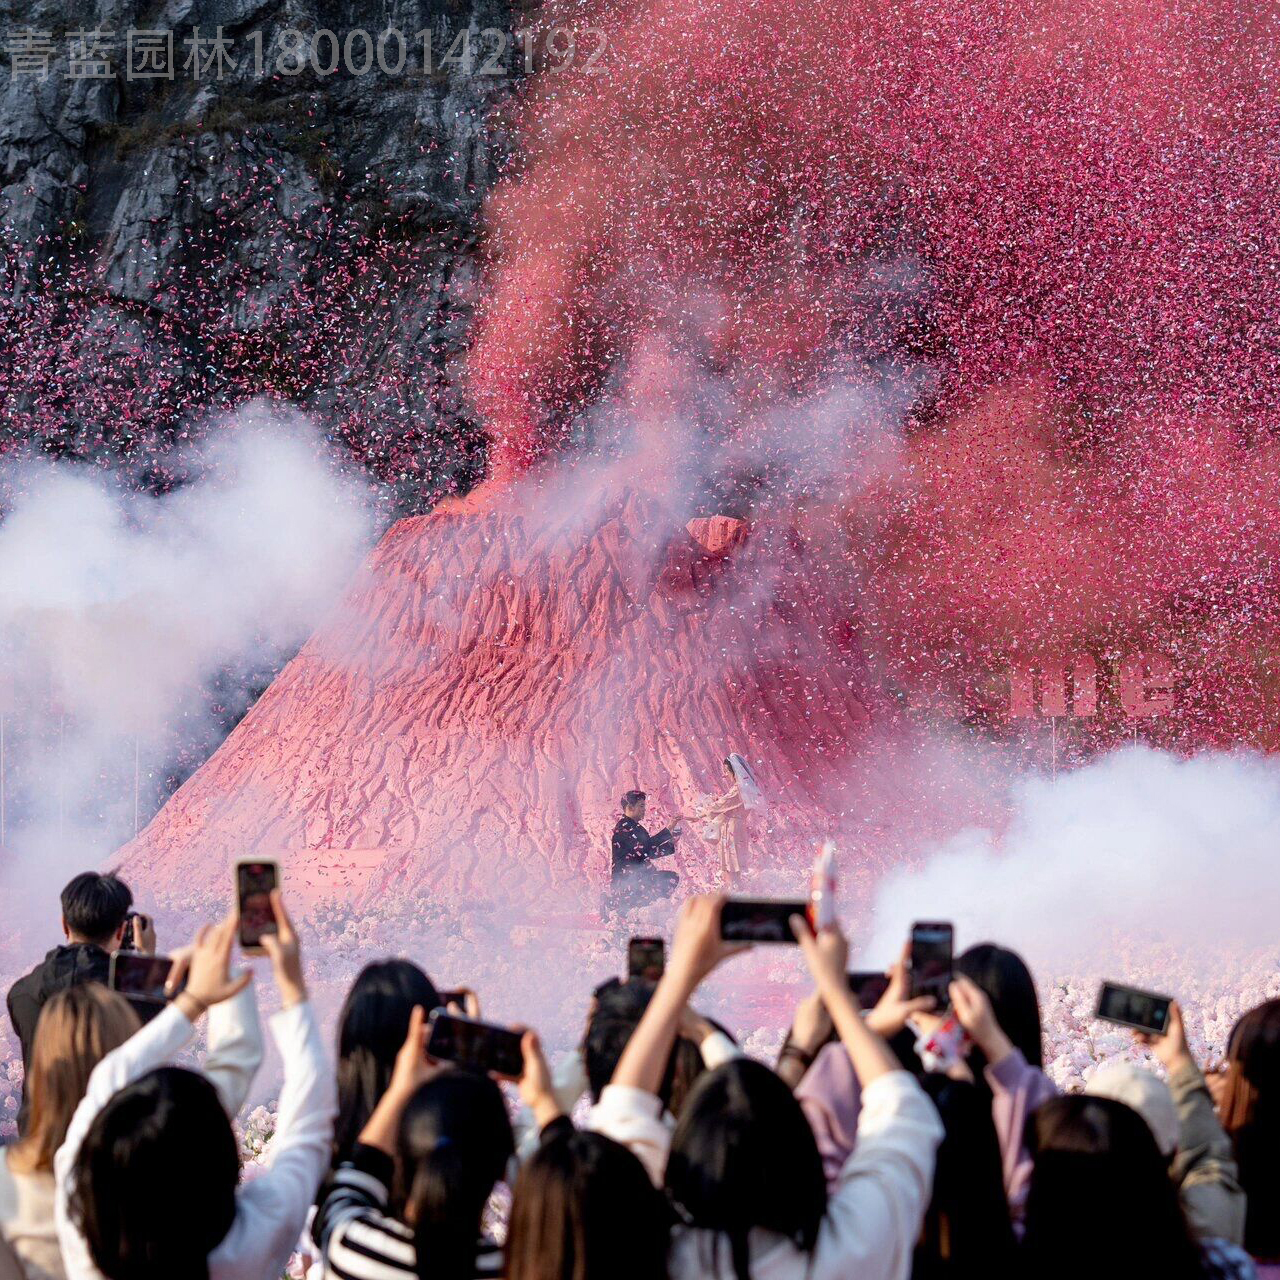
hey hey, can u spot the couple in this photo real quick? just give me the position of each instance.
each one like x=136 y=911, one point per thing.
x=636 y=882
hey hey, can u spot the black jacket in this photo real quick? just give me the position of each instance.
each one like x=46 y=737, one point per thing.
x=633 y=846
x=63 y=967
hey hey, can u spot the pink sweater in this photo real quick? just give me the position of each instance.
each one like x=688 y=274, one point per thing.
x=830 y=1097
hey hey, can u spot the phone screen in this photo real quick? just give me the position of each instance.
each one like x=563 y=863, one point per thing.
x=760 y=919
x=254 y=883
x=478 y=1045
x=140 y=977
x=868 y=985
x=646 y=958
x=1132 y=1007
x=931 y=944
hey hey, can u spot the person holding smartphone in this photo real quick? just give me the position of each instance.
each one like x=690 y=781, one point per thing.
x=442 y=1134
x=742 y=1163
x=97 y=920
x=128 y=1185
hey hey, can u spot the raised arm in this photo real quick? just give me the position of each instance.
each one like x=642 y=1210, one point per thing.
x=1017 y=1088
x=1204 y=1166
x=629 y=1110
x=155 y=1045
x=826 y=955
x=235 y=1049
x=695 y=951
x=272 y=1209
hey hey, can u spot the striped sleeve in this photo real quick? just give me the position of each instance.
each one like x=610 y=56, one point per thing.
x=356 y=1237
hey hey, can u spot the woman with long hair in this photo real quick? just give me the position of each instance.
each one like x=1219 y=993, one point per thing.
x=742 y=1168
x=967 y=1233
x=994 y=997
x=410 y=1200
x=1249 y=1107
x=584 y=1209
x=148 y=1179
x=1100 y=1189
x=78 y=1027
x=371 y=1029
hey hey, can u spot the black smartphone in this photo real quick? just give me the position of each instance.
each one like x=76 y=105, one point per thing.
x=126 y=941
x=478 y=1045
x=646 y=958
x=931 y=956
x=760 y=919
x=255 y=879
x=140 y=977
x=1133 y=1007
x=868 y=985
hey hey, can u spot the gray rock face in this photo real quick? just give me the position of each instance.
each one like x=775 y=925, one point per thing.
x=248 y=230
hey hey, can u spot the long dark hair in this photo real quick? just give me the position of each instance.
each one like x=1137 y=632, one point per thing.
x=1008 y=984
x=1251 y=1115
x=619 y=1006
x=585 y=1209
x=743 y=1156
x=967 y=1233
x=154 y=1186
x=371 y=1028
x=1099 y=1177
x=454 y=1143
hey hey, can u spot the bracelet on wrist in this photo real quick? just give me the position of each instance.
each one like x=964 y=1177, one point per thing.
x=185 y=1001
x=792 y=1050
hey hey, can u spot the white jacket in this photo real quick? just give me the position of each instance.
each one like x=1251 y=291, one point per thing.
x=27 y=1200
x=271 y=1209
x=873 y=1215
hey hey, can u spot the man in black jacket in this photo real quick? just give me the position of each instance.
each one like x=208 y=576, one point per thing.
x=95 y=916
x=634 y=881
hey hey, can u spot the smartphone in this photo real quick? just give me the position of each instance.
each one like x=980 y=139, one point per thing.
x=1133 y=1007
x=255 y=879
x=126 y=942
x=478 y=1045
x=646 y=958
x=868 y=985
x=140 y=977
x=760 y=919
x=930 y=962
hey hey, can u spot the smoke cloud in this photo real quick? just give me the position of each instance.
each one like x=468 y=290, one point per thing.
x=1137 y=845
x=119 y=611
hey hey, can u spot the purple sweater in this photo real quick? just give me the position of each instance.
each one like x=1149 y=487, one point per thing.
x=831 y=1100
x=1017 y=1091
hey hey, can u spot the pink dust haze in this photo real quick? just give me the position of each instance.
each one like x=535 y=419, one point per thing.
x=1088 y=193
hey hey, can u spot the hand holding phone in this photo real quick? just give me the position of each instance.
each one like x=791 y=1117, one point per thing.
x=209 y=979
x=413 y=1068
x=1133 y=1007
x=481 y=1046
x=256 y=879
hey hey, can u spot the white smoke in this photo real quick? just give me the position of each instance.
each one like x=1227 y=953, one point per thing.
x=1139 y=844
x=118 y=609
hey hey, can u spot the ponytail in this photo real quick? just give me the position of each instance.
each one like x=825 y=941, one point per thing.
x=455 y=1141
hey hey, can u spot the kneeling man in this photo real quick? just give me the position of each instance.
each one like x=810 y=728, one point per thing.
x=635 y=881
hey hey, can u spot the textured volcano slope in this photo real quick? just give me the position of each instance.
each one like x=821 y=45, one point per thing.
x=468 y=717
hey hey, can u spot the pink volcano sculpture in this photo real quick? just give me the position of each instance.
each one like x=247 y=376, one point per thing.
x=467 y=718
